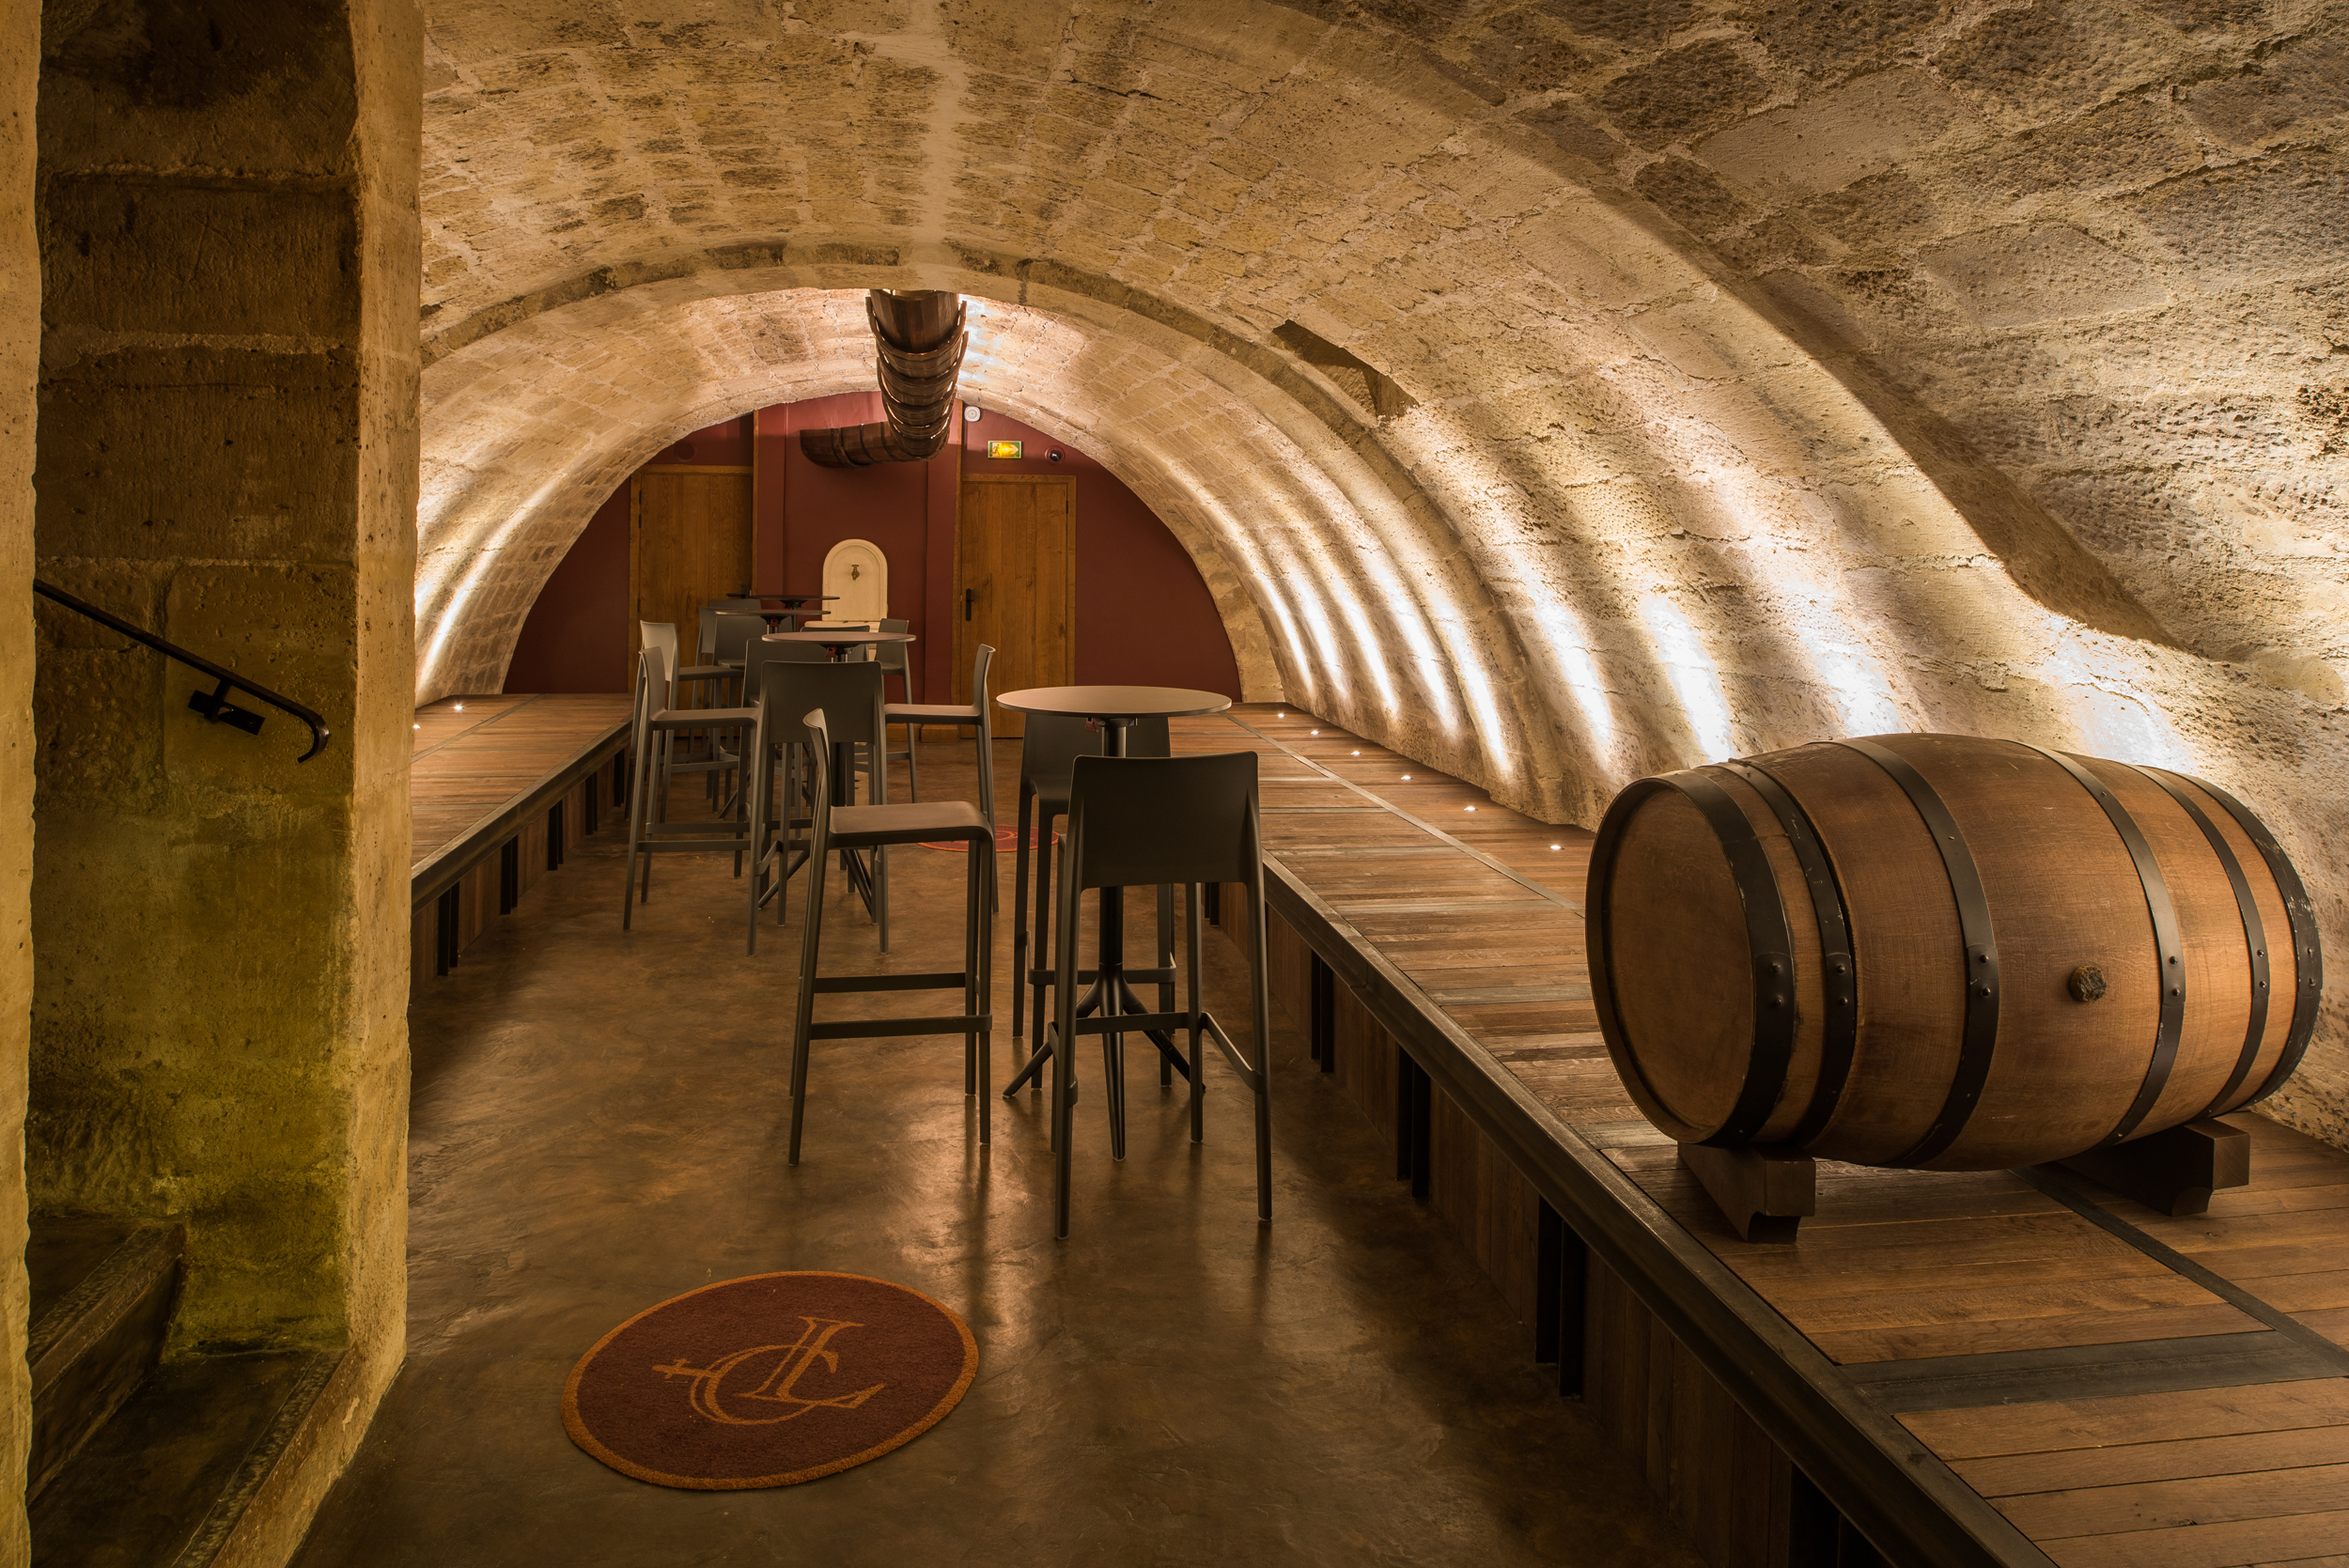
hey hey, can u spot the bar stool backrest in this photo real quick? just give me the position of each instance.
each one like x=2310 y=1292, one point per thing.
x=652 y=680
x=850 y=695
x=762 y=653
x=982 y=668
x=734 y=634
x=1149 y=737
x=816 y=728
x=1054 y=741
x=891 y=656
x=661 y=637
x=757 y=655
x=1147 y=821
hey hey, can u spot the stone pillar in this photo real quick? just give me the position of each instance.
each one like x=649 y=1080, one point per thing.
x=227 y=456
x=19 y=351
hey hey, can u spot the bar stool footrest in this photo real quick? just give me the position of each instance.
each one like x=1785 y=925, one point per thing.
x=1135 y=1023
x=870 y=1029
x=1252 y=1074
x=939 y=982
x=1086 y=977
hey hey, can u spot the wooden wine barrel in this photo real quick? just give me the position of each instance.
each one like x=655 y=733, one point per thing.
x=1942 y=952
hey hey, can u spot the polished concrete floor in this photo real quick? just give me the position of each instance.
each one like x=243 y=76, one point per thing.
x=599 y=1123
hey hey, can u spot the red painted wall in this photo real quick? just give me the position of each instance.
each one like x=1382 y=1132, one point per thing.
x=576 y=636
x=1144 y=617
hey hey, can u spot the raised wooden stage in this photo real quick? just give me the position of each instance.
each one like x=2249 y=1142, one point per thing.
x=2014 y=1368
x=499 y=787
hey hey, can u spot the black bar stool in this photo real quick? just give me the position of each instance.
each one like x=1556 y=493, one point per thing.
x=1149 y=822
x=874 y=827
x=1052 y=744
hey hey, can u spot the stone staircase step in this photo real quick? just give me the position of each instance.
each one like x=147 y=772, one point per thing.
x=178 y=1476
x=102 y=1293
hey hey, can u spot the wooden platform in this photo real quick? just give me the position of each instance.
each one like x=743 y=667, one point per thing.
x=499 y=786
x=2014 y=1368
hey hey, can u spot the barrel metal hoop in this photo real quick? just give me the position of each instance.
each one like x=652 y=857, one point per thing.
x=1770 y=944
x=1979 y=1042
x=1767 y=940
x=2308 y=949
x=1599 y=905
x=2168 y=949
x=1839 y=975
x=2254 y=936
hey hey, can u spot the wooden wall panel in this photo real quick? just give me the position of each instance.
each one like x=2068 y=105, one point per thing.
x=1725 y=1482
x=1367 y=1060
x=478 y=899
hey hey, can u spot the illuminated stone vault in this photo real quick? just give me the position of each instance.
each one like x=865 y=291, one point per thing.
x=1771 y=372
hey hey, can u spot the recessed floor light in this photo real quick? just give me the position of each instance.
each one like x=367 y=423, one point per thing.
x=1357 y=753
x=1406 y=778
x=461 y=707
x=419 y=727
x=1317 y=732
x=1557 y=846
x=1468 y=808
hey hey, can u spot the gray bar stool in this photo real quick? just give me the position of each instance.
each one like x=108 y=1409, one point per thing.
x=1051 y=747
x=663 y=635
x=891 y=657
x=851 y=694
x=1149 y=822
x=774 y=744
x=976 y=712
x=651 y=726
x=875 y=827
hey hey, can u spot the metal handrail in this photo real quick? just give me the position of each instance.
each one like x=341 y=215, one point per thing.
x=214 y=704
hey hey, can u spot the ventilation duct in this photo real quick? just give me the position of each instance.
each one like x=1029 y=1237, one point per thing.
x=919 y=338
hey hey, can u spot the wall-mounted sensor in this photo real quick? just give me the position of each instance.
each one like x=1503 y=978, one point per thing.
x=971 y=411
x=1053 y=456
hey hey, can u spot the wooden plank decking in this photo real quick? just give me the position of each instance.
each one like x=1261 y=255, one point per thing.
x=2053 y=1373
x=482 y=760
x=499 y=786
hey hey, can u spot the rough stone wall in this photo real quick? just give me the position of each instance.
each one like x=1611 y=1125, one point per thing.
x=20 y=350
x=1775 y=372
x=228 y=455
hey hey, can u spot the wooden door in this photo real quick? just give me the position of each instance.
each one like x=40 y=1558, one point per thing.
x=689 y=542
x=1016 y=583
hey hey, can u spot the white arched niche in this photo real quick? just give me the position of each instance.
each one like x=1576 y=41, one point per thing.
x=855 y=578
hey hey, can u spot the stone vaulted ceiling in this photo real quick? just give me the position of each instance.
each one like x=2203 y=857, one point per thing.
x=1768 y=371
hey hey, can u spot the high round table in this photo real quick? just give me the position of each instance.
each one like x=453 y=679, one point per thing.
x=795 y=607
x=1115 y=708
x=838 y=640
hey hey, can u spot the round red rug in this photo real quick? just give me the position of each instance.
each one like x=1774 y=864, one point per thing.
x=768 y=1380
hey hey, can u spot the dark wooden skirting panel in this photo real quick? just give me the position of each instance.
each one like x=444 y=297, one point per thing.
x=1729 y=1487
x=1684 y=1368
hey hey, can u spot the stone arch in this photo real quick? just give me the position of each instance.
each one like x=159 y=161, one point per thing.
x=1728 y=422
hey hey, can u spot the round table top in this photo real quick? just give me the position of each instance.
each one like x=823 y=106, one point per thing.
x=1115 y=702
x=838 y=637
x=796 y=598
